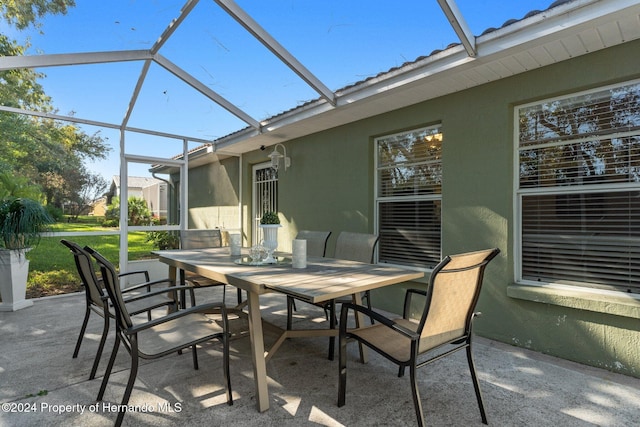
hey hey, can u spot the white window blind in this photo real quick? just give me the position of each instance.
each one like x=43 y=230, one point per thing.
x=409 y=182
x=579 y=189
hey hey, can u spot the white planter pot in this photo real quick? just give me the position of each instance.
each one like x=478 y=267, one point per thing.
x=270 y=243
x=14 y=270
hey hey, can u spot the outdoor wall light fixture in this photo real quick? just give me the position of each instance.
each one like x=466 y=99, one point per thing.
x=276 y=156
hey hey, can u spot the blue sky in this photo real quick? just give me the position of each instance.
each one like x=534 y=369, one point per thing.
x=340 y=41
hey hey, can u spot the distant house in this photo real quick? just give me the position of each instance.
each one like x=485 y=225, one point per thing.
x=99 y=207
x=152 y=190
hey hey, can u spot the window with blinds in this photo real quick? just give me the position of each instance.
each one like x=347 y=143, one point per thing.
x=408 y=197
x=579 y=189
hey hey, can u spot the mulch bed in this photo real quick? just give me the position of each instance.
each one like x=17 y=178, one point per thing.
x=45 y=291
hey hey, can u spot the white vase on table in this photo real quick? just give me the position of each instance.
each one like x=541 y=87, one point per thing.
x=270 y=240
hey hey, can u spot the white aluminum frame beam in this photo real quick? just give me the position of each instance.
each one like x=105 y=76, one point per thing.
x=55 y=60
x=72 y=119
x=136 y=92
x=166 y=34
x=173 y=26
x=457 y=21
x=206 y=91
x=62 y=59
x=276 y=48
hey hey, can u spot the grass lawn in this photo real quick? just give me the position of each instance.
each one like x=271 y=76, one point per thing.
x=52 y=269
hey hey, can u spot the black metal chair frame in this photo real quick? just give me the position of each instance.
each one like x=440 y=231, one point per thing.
x=127 y=334
x=202 y=239
x=329 y=307
x=98 y=302
x=460 y=342
x=323 y=238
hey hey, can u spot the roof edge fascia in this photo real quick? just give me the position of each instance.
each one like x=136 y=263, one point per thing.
x=535 y=30
x=202 y=154
x=544 y=25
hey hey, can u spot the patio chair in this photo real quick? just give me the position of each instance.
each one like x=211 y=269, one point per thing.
x=316 y=247
x=162 y=336
x=202 y=239
x=445 y=320
x=356 y=247
x=353 y=247
x=316 y=241
x=97 y=300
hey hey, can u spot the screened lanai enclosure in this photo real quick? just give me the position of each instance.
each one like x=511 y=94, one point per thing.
x=441 y=125
x=166 y=79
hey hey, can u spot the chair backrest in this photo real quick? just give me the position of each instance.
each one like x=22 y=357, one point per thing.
x=200 y=239
x=112 y=285
x=316 y=241
x=87 y=273
x=356 y=246
x=452 y=294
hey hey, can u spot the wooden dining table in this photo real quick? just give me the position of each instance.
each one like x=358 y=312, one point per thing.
x=323 y=279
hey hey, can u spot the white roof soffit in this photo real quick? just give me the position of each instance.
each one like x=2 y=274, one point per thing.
x=560 y=33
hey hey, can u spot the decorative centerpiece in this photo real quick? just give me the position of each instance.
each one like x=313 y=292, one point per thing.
x=270 y=222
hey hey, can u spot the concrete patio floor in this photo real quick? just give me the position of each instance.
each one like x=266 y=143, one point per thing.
x=521 y=387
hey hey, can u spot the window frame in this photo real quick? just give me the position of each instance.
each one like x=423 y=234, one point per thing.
x=257 y=200
x=378 y=199
x=589 y=189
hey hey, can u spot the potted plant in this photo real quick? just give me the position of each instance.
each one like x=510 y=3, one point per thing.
x=270 y=222
x=22 y=222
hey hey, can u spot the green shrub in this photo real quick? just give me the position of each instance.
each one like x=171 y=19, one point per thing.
x=163 y=239
x=110 y=223
x=137 y=212
x=55 y=213
x=270 y=217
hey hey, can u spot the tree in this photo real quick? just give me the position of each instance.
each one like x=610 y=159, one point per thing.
x=89 y=188
x=138 y=212
x=58 y=163
x=23 y=13
x=46 y=153
x=19 y=88
x=13 y=186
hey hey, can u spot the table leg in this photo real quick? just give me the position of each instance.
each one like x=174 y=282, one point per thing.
x=172 y=274
x=364 y=354
x=257 y=351
x=172 y=278
x=183 y=293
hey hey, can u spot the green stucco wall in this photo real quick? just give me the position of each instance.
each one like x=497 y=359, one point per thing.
x=214 y=195
x=330 y=187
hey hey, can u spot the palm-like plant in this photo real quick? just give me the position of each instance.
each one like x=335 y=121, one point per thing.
x=22 y=222
x=17 y=186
